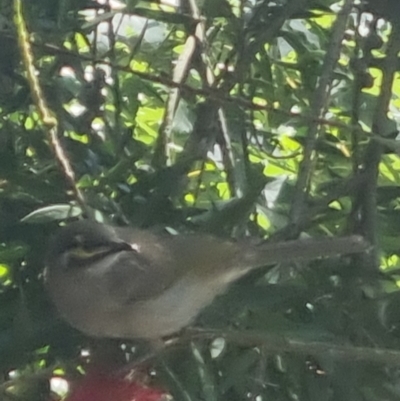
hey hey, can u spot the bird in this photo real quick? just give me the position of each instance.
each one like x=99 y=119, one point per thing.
x=129 y=283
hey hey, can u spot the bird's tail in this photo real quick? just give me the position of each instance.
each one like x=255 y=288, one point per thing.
x=304 y=249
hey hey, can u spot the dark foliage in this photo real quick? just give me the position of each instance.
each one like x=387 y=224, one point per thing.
x=267 y=119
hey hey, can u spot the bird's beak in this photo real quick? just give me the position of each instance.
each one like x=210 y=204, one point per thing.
x=123 y=246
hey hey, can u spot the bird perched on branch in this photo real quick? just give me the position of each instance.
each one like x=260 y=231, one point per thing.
x=131 y=283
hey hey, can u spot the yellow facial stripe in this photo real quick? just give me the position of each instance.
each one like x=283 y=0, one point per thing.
x=83 y=253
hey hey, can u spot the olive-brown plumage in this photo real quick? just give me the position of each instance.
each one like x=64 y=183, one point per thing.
x=129 y=283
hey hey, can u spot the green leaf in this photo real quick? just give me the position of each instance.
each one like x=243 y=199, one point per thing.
x=52 y=213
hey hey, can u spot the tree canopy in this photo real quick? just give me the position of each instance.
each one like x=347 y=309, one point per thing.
x=267 y=119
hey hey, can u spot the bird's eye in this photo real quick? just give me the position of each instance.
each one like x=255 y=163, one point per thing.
x=82 y=249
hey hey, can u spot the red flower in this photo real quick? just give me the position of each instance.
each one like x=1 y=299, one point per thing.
x=98 y=386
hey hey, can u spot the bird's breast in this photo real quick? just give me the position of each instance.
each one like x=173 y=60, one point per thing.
x=174 y=309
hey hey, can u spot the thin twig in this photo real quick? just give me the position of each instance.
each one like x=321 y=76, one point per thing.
x=211 y=93
x=49 y=121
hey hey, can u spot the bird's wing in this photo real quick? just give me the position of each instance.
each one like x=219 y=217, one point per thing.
x=160 y=260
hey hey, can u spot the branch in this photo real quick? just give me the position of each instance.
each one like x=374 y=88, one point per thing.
x=365 y=205
x=318 y=105
x=280 y=343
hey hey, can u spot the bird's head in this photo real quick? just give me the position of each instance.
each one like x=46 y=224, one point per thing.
x=82 y=243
